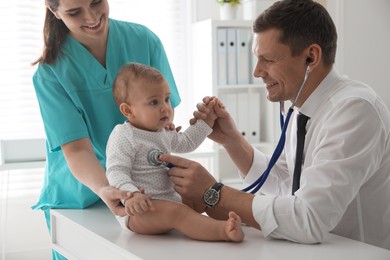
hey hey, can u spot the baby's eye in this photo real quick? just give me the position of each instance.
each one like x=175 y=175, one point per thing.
x=167 y=99
x=154 y=102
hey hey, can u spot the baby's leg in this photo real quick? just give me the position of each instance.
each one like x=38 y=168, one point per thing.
x=233 y=227
x=201 y=227
x=154 y=222
x=171 y=215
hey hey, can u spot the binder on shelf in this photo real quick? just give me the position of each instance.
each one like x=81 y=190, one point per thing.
x=254 y=118
x=230 y=102
x=243 y=113
x=221 y=56
x=231 y=57
x=244 y=55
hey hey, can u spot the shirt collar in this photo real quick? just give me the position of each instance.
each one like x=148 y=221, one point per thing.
x=320 y=94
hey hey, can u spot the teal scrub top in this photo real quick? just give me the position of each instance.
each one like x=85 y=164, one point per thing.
x=75 y=99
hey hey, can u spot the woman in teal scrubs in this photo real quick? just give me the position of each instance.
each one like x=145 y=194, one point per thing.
x=83 y=52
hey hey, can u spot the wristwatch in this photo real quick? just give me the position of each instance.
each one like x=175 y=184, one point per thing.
x=212 y=195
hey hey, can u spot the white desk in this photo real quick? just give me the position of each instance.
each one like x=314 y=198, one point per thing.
x=94 y=233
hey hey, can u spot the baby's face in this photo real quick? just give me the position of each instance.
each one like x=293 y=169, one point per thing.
x=151 y=106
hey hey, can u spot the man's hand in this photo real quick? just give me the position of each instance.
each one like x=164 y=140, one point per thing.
x=203 y=110
x=224 y=129
x=190 y=178
x=212 y=116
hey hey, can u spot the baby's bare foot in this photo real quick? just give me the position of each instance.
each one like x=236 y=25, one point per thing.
x=233 y=228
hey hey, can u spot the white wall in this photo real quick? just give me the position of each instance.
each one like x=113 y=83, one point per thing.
x=209 y=9
x=364 y=38
x=366 y=43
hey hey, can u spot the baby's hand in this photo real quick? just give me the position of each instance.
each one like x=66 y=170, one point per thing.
x=171 y=127
x=212 y=116
x=138 y=204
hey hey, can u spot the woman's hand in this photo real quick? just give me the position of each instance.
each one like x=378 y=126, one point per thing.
x=112 y=197
x=190 y=178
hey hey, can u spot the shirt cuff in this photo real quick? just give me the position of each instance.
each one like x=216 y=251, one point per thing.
x=259 y=164
x=262 y=208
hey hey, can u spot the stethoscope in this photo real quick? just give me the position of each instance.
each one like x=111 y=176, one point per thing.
x=256 y=185
x=153 y=156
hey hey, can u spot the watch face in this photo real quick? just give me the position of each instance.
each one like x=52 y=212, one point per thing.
x=211 y=197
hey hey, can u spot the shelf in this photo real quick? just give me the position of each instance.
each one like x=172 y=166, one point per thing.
x=223 y=63
x=22 y=165
x=22 y=153
x=241 y=86
x=228 y=23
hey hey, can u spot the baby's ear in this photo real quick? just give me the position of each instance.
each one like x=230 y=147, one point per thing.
x=126 y=110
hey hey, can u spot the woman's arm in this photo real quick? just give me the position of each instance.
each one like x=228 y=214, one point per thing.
x=87 y=169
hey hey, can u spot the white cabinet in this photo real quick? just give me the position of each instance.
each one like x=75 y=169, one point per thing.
x=223 y=62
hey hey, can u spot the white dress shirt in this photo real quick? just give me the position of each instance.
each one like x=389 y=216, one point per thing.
x=345 y=180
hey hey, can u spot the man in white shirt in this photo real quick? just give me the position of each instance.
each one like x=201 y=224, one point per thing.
x=345 y=177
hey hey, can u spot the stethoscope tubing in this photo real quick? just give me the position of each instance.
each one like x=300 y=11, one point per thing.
x=255 y=186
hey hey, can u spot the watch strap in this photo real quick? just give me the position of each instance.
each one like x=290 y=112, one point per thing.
x=217 y=186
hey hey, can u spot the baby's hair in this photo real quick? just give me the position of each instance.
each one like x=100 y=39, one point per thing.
x=131 y=75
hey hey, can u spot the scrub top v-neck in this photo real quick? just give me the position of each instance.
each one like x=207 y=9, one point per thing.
x=75 y=98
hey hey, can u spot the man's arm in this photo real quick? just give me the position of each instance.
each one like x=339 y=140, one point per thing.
x=191 y=181
x=237 y=201
x=226 y=133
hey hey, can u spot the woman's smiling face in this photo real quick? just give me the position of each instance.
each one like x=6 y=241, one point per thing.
x=87 y=20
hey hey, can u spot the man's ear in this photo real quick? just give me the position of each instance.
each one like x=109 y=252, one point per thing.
x=314 y=55
x=126 y=110
x=51 y=10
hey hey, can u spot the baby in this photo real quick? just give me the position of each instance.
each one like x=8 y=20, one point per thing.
x=143 y=97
